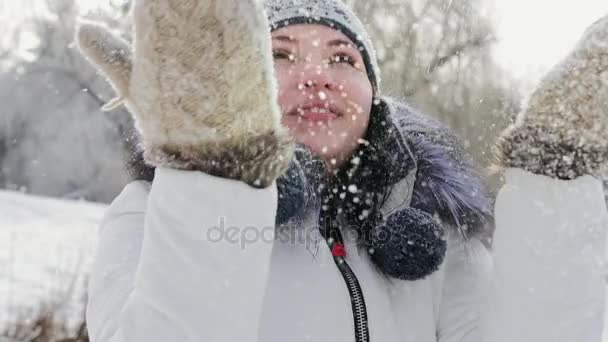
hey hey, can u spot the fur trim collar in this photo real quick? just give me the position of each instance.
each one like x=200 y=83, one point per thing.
x=447 y=184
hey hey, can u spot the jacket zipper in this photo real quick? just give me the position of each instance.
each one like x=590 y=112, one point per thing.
x=357 y=300
x=330 y=230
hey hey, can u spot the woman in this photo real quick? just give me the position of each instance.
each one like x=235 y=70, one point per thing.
x=356 y=253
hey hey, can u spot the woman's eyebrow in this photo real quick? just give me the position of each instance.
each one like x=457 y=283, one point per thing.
x=334 y=42
x=339 y=42
x=289 y=39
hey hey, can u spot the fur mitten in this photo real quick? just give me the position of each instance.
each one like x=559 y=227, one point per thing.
x=200 y=85
x=563 y=132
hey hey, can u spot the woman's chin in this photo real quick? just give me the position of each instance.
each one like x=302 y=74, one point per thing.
x=320 y=150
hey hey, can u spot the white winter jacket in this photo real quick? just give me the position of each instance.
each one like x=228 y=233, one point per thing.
x=166 y=271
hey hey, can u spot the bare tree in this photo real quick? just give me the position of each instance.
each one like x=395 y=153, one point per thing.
x=58 y=143
x=437 y=55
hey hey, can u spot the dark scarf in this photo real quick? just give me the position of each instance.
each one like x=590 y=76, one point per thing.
x=361 y=187
x=448 y=192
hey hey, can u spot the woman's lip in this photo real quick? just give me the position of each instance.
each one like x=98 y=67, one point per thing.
x=309 y=115
x=316 y=108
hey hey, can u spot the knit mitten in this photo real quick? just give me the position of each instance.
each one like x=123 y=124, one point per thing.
x=563 y=131
x=200 y=85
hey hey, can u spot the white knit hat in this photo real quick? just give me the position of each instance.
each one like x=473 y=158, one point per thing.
x=332 y=13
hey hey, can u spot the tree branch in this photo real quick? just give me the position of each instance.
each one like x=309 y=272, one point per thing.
x=458 y=50
x=454 y=52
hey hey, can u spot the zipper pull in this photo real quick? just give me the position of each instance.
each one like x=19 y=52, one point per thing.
x=338 y=250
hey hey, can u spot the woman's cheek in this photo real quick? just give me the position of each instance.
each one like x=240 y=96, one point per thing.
x=287 y=122
x=282 y=101
x=283 y=96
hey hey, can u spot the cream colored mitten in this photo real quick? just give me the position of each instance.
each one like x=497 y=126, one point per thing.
x=563 y=133
x=200 y=85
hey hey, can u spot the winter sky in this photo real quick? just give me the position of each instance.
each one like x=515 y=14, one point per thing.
x=536 y=34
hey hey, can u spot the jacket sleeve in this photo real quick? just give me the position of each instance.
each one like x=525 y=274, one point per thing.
x=466 y=286
x=188 y=264
x=549 y=249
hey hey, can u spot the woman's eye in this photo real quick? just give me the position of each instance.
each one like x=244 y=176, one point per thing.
x=277 y=55
x=343 y=58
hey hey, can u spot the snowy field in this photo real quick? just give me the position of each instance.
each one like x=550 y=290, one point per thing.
x=46 y=246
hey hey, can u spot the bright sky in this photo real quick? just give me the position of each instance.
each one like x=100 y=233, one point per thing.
x=535 y=34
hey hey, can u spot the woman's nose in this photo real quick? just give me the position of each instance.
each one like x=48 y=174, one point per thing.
x=318 y=80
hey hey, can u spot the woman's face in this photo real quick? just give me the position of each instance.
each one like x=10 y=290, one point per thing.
x=324 y=93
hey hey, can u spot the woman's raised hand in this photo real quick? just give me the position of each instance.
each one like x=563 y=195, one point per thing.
x=563 y=131
x=199 y=82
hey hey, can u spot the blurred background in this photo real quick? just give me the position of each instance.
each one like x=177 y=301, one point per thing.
x=470 y=63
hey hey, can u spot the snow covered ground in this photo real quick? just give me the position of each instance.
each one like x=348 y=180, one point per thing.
x=46 y=246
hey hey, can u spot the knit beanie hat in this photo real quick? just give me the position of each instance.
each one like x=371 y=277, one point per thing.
x=331 y=13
